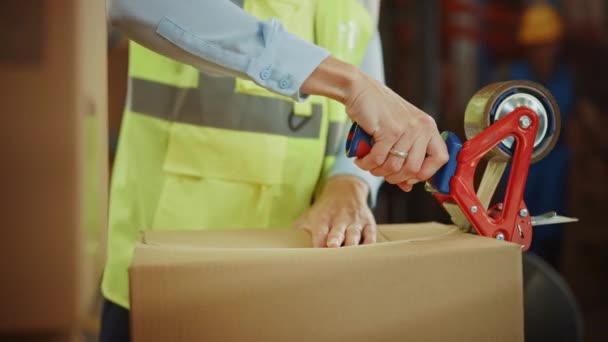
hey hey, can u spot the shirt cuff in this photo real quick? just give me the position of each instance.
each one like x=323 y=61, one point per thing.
x=285 y=62
x=344 y=166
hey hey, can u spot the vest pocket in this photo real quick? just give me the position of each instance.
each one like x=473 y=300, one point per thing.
x=219 y=179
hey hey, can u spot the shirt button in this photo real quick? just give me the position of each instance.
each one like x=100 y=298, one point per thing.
x=266 y=73
x=285 y=83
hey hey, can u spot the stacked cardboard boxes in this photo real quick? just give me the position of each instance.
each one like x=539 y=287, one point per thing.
x=54 y=167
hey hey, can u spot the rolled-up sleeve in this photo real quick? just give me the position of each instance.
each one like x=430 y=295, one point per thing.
x=218 y=37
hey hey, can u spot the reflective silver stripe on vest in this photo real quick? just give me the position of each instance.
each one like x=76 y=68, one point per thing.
x=215 y=104
x=335 y=141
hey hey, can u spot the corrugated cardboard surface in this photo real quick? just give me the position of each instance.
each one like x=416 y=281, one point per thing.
x=424 y=282
x=54 y=162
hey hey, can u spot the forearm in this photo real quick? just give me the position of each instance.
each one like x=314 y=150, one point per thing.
x=140 y=20
x=372 y=65
x=219 y=37
x=332 y=78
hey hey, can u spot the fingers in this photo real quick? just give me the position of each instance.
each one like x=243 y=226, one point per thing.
x=340 y=216
x=369 y=233
x=405 y=186
x=425 y=149
x=353 y=235
x=336 y=235
x=412 y=163
x=437 y=156
x=340 y=233
x=318 y=234
x=393 y=163
x=377 y=156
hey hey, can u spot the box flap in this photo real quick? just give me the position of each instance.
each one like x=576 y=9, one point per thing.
x=286 y=238
x=249 y=238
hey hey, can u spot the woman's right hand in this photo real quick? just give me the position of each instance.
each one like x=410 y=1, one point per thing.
x=407 y=145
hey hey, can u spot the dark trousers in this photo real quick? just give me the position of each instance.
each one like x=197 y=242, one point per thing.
x=114 y=323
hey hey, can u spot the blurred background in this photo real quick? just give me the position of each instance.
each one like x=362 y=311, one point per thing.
x=438 y=53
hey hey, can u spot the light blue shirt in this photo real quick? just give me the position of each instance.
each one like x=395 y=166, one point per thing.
x=218 y=37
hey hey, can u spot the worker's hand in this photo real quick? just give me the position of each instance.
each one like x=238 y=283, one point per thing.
x=394 y=124
x=340 y=216
x=397 y=126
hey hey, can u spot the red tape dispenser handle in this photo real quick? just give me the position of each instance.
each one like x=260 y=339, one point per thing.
x=358 y=143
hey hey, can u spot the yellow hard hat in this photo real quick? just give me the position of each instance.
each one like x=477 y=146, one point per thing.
x=540 y=23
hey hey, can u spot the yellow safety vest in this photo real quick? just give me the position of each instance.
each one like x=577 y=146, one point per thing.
x=201 y=152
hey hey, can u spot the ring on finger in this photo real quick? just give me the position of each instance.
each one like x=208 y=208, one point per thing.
x=397 y=153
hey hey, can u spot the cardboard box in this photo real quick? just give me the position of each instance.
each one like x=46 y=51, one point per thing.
x=422 y=282
x=54 y=164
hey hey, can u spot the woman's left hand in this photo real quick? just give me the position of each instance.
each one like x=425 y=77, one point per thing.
x=341 y=215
